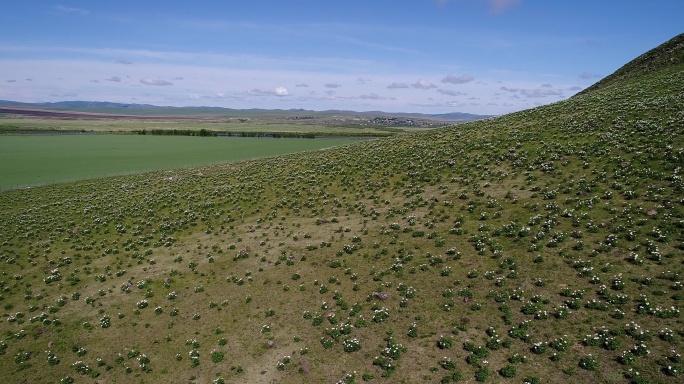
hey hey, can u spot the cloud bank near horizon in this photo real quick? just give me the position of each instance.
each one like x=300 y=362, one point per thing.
x=227 y=85
x=477 y=56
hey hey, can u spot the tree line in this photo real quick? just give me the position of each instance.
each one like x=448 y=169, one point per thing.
x=276 y=135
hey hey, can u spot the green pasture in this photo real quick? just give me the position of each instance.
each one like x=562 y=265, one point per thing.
x=46 y=159
x=31 y=123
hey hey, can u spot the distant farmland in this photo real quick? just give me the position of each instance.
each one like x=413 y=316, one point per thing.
x=31 y=160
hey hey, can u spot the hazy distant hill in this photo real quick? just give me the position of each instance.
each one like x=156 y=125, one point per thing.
x=147 y=109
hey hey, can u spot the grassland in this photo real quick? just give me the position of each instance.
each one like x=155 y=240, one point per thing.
x=30 y=123
x=541 y=246
x=30 y=160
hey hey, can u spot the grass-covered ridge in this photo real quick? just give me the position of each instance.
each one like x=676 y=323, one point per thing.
x=543 y=246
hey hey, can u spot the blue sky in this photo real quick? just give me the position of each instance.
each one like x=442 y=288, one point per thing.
x=429 y=56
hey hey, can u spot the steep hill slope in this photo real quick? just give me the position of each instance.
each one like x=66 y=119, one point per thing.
x=542 y=246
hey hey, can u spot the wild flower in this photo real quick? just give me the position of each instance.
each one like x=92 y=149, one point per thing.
x=635 y=259
x=380 y=315
x=589 y=363
x=667 y=334
x=349 y=378
x=54 y=276
x=351 y=345
x=445 y=342
x=83 y=368
x=517 y=358
x=51 y=358
x=640 y=350
x=539 y=348
x=194 y=357
x=673 y=370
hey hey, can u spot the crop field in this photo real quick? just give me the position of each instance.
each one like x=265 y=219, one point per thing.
x=542 y=246
x=343 y=125
x=130 y=125
x=27 y=160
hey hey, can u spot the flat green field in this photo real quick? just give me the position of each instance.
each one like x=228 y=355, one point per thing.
x=348 y=127
x=31 y=160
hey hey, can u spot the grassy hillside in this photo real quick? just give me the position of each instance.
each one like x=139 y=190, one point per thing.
x=541 y=246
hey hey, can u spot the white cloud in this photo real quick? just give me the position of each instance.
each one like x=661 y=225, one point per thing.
x=64 y=9
x=450 y=92
x=534 y=92
x=588 y=75
x=218 y=96
x=332 y=85
x=500 y=6
x=281 y=91
x=148 y=81
x=64 y=95
x=495 y=6
x=372 y=96
x=124 y=62
x=463 y=79
x=259 y=92
x=397 y=86
x=225 y=81
x=423 y=84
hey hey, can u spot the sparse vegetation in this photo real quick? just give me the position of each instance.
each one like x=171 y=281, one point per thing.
x=548 y=250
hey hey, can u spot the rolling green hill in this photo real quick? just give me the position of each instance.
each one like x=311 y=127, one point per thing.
x=541 y=246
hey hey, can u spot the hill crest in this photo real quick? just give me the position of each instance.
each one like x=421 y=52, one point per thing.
x=668 y=54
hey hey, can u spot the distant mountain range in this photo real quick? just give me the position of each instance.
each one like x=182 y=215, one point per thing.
x=147 y=110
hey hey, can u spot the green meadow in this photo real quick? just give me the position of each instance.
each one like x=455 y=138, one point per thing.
x=27 y=160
